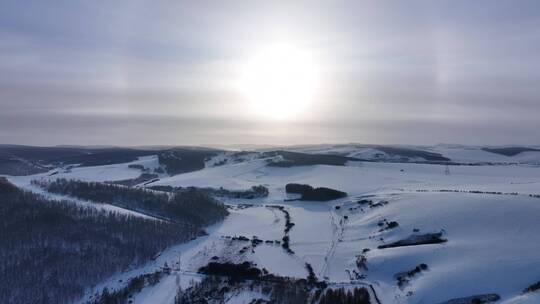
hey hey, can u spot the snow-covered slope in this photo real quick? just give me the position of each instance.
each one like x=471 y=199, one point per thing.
x=487 y=214
x=454 y=153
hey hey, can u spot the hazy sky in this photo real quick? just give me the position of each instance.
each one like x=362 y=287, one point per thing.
x=165 y=72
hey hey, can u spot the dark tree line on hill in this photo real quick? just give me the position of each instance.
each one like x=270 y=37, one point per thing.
x=407 y=153
x=225 y=278
x=51 y=251
x=292 y=159
x=178 y=161
x=341 y=296
x=144 y=177
x=191 y=206
x=252 y=193
x=314 y=194
x=532 y=288
x=510 y=151
x=24 y=160
x=133 y=286
x=416 y=239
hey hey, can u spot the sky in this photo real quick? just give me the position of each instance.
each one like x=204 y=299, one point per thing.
x=156 y=72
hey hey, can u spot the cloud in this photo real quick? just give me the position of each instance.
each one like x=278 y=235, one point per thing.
x=414 y=71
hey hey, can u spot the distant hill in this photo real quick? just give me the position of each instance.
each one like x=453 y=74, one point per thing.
x=25 y=160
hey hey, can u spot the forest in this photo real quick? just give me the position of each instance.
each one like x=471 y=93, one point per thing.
x=191 y=206
x=52 y=250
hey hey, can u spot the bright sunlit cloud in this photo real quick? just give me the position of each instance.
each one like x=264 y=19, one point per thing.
x=280 y=81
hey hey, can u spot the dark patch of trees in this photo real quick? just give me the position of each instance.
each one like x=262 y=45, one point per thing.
x=225 y=278
x=22 y=160
x=386 y=225
x=378 y=204
x=51 y=251
x=532 y=287
x=241 y=271
x=177 y=161
x=298 y=188
x=404 y=277
x=163 y=188
x=292 y=159
x=476 y=299
x=214 y=289
x=190 y=206
x=107 y=157
x=311 y=278
x=138 y=167
x=285 y=244
x=365 y=201
x=288 y=226
x=144 y=177
x=413 y=240
x=134 y=286
x=16 y=166
x=361 y=261
x=412 y=153
x=509 y=151
x=308 y=193
x=342 y=296
x=252 y=193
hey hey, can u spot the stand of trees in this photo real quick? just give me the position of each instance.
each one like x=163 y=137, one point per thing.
x=342 y=296
x=51 y=251
x=314 y=194
x=224 y=279
x=178 y=160
x=287 y=159
x=133 y=286
x=191 y=206
x=254 y=192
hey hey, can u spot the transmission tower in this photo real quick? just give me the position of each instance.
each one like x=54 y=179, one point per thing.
x=447 y=170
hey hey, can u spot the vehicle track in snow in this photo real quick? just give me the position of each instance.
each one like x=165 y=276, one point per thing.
x=337 y=234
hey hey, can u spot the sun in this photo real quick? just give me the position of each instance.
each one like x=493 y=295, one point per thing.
x=280 y=81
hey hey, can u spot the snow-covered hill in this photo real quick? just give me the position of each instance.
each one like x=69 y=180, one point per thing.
x=486 y=214
x=438 y=153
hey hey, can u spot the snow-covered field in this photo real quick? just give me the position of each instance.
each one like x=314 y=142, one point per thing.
x=493 y=240
x=455 y=153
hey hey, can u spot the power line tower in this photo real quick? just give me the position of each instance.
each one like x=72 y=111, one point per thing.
x=447 y=170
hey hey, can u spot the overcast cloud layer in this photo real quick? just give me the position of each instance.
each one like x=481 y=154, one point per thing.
x=163 y=72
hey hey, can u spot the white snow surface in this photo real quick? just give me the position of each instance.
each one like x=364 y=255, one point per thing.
x=493 y=240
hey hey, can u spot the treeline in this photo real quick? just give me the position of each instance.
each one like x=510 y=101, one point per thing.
x=259 y=191
x=416 y=239
x=177 y=161
x=342 y=296
x=224 y=279
x=219 y=290
x=191 y=206
x=133 y=286
x=143 y=178
x=308 y=193
x=51 y=251
x=287 y=159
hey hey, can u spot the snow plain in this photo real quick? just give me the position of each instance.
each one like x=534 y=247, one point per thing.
x=493 y=240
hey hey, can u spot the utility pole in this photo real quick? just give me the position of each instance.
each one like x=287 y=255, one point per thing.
x=447 y=170
x=178 y=272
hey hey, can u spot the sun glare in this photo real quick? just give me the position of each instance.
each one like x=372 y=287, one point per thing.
x=280 y=81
